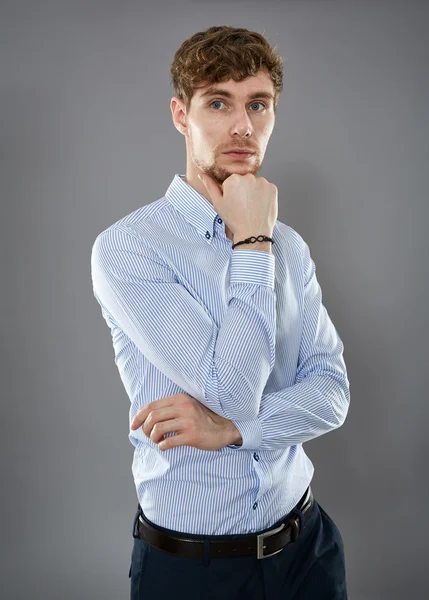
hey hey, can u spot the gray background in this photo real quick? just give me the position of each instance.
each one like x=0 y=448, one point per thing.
x=87 y=137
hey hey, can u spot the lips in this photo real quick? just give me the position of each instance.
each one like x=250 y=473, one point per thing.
x=239 y=152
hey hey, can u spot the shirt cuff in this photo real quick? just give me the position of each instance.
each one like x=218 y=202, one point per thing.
x=251 y=433
x=252 y=266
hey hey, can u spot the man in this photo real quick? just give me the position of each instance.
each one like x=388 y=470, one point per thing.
x=228 y=355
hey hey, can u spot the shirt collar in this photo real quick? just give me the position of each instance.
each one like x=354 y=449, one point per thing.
x=195 y=208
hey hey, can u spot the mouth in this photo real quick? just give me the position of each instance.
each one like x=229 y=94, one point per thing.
x=239 y=155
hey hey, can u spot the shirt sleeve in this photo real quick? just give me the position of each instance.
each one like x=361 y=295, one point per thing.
x=225 y=368
x=319 y=400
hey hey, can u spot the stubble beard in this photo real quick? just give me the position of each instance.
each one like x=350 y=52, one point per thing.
x=219 y=173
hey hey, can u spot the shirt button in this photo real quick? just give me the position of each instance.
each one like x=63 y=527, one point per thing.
x=255 y=505
x=219 y=220
x=255 y=456
x=207 y=235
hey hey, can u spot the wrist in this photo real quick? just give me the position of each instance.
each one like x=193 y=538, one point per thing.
x=234 y=436
x=257 y=245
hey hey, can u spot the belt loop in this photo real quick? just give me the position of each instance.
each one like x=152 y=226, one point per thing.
x=295 y=528
x=136 y=516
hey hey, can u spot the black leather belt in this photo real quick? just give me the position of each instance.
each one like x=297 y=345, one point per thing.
x=264 y=544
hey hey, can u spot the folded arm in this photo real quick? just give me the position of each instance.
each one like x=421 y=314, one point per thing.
x=218 y=366
x=318 y=401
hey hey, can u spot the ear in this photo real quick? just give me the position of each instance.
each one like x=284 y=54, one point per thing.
x=178 y=112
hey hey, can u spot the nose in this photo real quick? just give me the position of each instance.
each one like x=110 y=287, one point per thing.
x=242 y=125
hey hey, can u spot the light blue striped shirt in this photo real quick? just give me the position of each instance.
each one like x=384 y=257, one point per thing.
x=245 y=333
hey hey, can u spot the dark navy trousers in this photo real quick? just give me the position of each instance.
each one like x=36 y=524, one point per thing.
x=311 y=568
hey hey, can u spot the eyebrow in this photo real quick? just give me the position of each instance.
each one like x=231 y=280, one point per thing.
x=214 y=91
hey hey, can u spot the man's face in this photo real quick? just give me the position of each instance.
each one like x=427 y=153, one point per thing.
x=215 y=124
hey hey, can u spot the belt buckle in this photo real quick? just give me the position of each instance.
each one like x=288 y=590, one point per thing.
x=260 y=542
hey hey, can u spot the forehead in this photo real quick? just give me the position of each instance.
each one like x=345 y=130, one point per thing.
x=260 y=85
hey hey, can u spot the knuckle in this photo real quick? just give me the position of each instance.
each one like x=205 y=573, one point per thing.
x=147 y=423
x=186 y=404
x=156 y=432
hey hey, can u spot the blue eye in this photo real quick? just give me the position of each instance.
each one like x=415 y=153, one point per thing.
x=221 y=102
x=258 y=103
x=216 y=102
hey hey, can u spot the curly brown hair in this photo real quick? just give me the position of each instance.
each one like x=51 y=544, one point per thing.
x=222 y=53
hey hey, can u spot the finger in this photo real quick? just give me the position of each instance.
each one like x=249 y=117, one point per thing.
x=161 y=429
x=142 y=414
x=173 y=441
x=139 y=419
x=158 y=418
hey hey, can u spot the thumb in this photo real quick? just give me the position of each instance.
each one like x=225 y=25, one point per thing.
x=213 y=189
